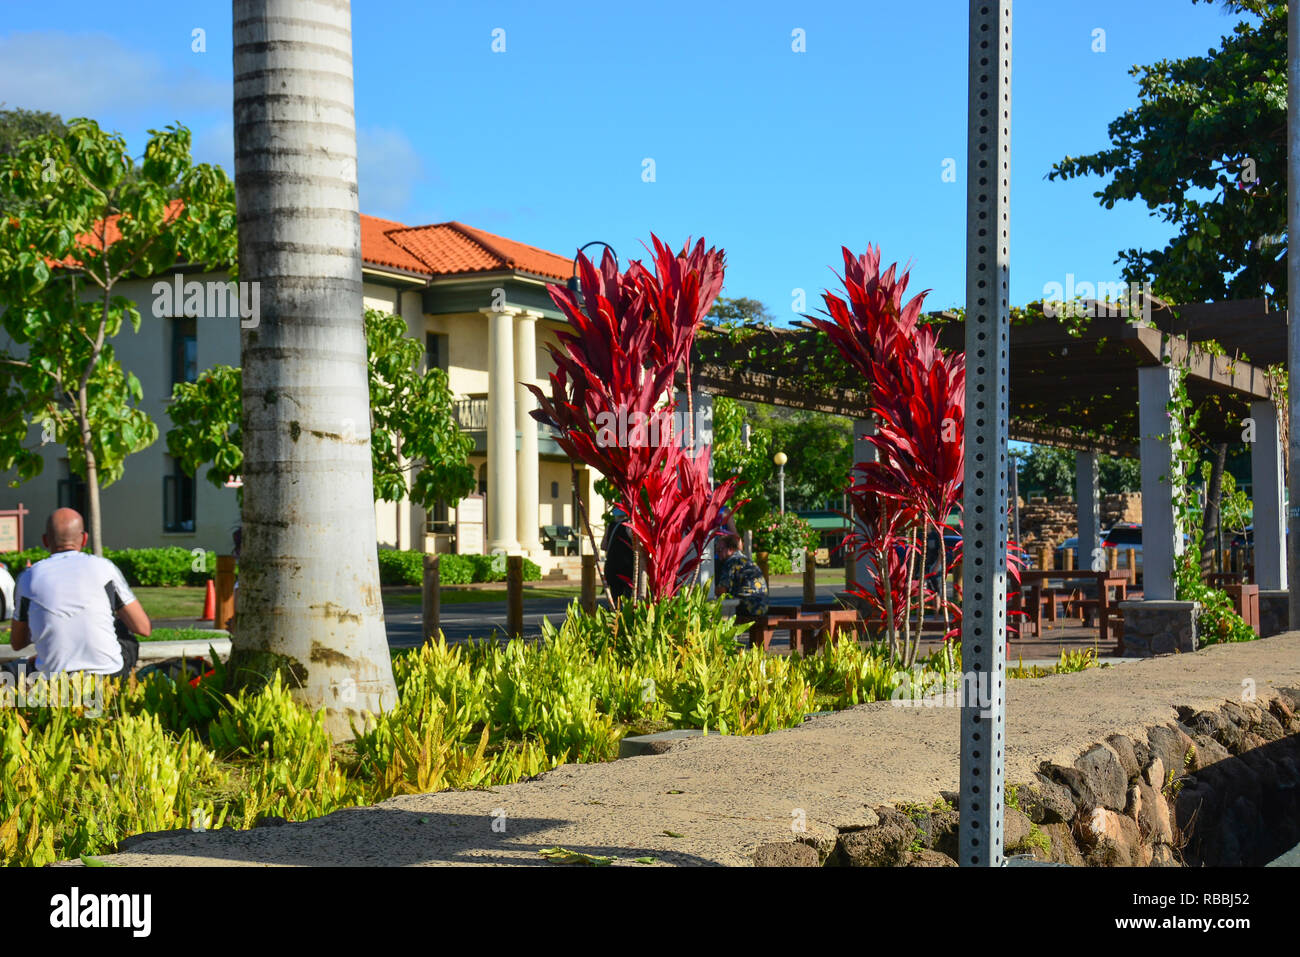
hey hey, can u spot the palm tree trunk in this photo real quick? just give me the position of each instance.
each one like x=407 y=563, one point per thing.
x=309 y=598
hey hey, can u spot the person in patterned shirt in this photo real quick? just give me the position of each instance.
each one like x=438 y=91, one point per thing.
x=740 y=578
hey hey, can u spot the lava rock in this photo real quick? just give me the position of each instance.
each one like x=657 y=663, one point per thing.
x=1046 y=802
x=788 y=854
x=1105 y=776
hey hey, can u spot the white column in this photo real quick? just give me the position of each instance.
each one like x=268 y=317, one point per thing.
x=526 y=467
x=1161 y=541
x=1266 y=482
x=501 y=506
x=1088 y=504
x=864 y=451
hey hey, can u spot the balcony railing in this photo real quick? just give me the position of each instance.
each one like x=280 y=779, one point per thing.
x=472 y=413
x=472 y=416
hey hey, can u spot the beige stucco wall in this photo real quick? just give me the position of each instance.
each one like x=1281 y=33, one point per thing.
x=133 y=507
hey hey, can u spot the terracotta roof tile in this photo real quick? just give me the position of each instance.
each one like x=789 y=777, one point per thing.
x=454 y=248
x=440 y=249
x=379 y=250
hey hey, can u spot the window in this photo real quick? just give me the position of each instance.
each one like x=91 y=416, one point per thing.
x=178 y=500
x=72 y=490
x=185 y=349
x=555 y=490
x=437 y=349
x=435 y=519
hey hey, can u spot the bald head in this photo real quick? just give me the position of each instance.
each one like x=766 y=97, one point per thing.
x=64 y=530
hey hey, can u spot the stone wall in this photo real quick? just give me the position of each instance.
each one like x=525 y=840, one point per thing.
x=1214 y=788
x=1044 y=522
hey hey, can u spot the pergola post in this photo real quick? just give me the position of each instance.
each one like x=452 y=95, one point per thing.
x=1266 y=492
x=984 y=498
x=1088 y=503
x=1159 y=624
x=864 y=451
x=1161 y=541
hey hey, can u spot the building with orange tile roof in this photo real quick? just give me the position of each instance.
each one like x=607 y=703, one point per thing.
x=477 y=301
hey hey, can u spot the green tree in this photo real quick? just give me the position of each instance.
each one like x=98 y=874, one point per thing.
x=16 y=128
x=1206 y=150
x=1117 y=474
x=753 y=464
x=88 y=224
x=412 y=422
x=820 y=452
x=1051 y=472
x=742 y=310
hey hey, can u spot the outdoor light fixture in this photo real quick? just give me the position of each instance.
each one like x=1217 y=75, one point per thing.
x=573 y=285
x=780 y=459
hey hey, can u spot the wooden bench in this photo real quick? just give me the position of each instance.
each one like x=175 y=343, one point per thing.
x=807 y=625
x=764 y=627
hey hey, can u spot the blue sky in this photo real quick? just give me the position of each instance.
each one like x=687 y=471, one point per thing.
x=780 y=157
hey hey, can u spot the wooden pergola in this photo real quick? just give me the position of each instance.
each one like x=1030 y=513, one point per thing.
x=1095 y=385
x=1069 y=389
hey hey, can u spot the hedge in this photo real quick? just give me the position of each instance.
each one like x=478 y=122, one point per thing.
x=407 y=568
x=180 y=566
x=139 y=566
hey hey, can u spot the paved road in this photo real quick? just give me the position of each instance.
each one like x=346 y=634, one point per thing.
x=481 y=619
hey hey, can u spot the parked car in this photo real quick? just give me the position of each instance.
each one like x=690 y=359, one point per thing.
x=1123 y=537
x=6 y=594
x=1071 y=544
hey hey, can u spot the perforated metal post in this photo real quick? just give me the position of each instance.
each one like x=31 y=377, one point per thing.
x=1293 y=307
x=984 y=502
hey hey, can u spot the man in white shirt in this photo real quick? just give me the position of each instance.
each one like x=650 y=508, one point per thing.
x=67 y=605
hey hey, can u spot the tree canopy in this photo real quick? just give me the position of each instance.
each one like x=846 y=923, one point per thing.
x=91 y=219
x=1206 y=150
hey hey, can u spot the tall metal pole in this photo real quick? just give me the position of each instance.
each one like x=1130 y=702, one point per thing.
x=780 y=471
x=984 y=501
x=1015 y=498
x=1292 y=305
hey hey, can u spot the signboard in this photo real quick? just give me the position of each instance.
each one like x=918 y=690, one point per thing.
x=11 y=529
x=470 y=537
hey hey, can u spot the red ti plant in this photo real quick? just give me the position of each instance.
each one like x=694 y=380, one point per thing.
x=674 y=515
x=918 y=400
x=616 y=364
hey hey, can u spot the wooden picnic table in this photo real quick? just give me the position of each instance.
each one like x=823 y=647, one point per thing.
x=1034 y=581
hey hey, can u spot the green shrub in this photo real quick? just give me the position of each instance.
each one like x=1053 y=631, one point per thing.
x=407 y=568
x=400 y=567
x=141 y=567
x=784 y=535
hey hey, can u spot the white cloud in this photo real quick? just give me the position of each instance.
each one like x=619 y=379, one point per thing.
x=388 y=168
x=92 y=74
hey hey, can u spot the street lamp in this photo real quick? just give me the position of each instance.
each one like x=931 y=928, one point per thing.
x=573 y=285
x=780 y=459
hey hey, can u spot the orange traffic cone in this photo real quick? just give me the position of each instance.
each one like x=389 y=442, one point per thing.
x=210 y=603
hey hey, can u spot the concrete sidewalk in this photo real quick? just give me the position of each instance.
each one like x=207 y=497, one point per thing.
x=723 y=796
x=152 y=650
